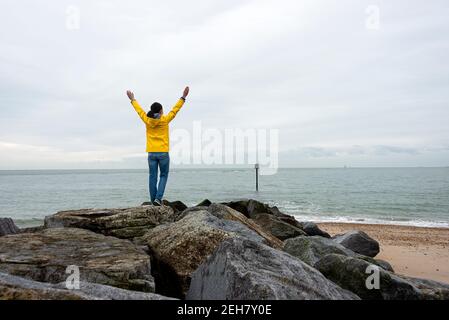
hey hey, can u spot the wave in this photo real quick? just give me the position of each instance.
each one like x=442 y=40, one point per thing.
x=369 y=220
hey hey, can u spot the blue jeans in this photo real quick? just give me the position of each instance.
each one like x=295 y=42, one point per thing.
x=157 y=160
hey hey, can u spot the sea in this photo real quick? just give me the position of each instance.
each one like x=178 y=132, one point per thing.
x=401 y=196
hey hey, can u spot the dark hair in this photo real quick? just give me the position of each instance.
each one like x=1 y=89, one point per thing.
x=155 y=108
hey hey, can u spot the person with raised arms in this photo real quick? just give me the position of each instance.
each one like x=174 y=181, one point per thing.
x=158 y=142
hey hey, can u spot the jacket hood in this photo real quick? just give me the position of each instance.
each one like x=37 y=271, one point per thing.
x=155 y=122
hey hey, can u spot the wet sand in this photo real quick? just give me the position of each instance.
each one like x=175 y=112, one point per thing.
x=413 y=251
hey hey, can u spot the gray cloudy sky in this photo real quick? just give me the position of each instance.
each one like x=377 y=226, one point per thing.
x=339 y=93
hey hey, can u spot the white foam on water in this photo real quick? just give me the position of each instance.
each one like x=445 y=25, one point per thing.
x=359 y=220
x=309 y=211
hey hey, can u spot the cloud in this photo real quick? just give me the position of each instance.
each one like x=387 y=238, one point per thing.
x=385 y=150
x=17 y=156
x=308 y=68
x=364 y=156
x=324 y=152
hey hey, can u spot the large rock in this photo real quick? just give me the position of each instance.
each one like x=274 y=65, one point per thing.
x=251 y=208
x=44 y=256
x=430 y=290
x=227 y=213
x=278 y=228
x=177 y=206
x=311 y=249
x=312 y=229
x=7 y=226
x=239 y=205
x=353 y=274
x=204 y=203
x=190 y=210
x=17 y=288
x=276 y=212
x=179 y=248
x=255 y=208
x=360 y=242
x=245 y=270
x=121 y=223
x=224 y=212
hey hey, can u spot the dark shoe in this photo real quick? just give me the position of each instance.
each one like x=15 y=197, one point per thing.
x=157 y=203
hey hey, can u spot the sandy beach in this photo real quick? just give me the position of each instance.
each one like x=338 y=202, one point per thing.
x=413 y=251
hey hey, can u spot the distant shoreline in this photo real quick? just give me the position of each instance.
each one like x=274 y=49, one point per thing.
x=247 y=167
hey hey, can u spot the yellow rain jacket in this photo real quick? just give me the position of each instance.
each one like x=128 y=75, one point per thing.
x=157 y=129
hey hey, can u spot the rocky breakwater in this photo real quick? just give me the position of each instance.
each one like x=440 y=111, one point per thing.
x=242 y=249
x=46 y=255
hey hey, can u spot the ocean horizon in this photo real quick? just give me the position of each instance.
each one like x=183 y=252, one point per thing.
x=415 y=196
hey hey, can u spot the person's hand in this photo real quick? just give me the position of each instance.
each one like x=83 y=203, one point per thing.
x=130 y=95
x=186 y=92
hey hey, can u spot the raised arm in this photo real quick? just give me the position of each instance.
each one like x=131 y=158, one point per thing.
x=142 y=114
x=172 y=114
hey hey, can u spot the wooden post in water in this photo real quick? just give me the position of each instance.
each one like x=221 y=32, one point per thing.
x=256 y=166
